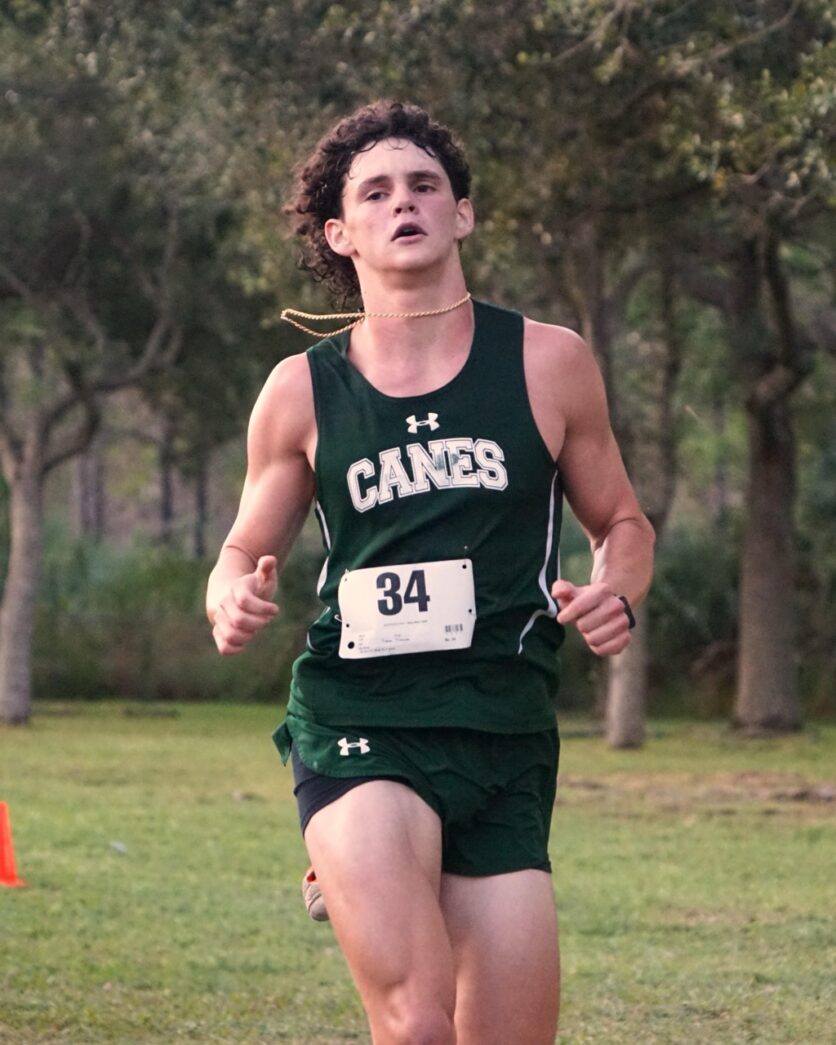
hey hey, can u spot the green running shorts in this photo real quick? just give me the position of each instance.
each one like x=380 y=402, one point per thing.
x=493 y=792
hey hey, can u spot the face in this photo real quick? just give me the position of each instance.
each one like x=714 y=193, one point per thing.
x=398 y=211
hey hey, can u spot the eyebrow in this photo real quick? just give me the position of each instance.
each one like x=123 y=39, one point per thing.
x=384 y=179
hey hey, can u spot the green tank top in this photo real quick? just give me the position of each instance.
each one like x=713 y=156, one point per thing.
x=458 y=473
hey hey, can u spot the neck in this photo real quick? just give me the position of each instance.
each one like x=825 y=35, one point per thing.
x=403 y=298
x=412 y=301
x=412 y=356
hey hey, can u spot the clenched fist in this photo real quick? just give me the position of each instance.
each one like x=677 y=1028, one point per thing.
x=597 y=613
x=246 y=608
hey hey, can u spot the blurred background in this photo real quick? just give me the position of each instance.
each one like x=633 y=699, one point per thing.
x=655 y=175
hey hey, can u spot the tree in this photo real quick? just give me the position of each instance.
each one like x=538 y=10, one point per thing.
x=111 y=225
x=637 y=125
x=761 y=126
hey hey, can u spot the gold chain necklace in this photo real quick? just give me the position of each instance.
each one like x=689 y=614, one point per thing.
x=358 y=317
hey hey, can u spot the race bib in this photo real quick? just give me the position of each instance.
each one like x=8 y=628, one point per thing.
x=412 y=608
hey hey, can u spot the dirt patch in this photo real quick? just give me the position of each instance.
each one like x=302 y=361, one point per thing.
x=719 y=793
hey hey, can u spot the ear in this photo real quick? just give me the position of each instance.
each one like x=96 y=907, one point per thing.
x=465 y=219
x=337 y=237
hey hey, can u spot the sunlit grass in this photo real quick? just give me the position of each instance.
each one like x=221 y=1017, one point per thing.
x=694 y=881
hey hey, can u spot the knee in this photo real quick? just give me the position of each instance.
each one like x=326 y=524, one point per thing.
x=421 y=1023
x=426 y=1027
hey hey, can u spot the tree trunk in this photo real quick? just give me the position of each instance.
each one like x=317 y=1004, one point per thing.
x=596 y=315
x=166 y=465
x=718 y=491
x=626 y=686
x=653 y=469
x=89 y=493
x=17 y=616
x=201 y=507
x=767 y=697
x=773 y=363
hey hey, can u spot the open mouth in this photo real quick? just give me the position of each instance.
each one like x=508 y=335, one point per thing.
x=408 y=229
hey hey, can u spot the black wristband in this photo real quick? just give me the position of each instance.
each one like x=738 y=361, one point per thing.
x=628 y=610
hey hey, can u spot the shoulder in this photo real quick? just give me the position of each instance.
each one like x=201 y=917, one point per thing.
x=283 y=416
x=551 y=346
x=560 y=365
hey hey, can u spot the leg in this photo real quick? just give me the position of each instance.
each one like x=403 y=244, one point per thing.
x=377 y=853
x=504 y=934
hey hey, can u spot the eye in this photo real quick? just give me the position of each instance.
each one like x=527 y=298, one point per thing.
x=425 y=186
x=376 y=194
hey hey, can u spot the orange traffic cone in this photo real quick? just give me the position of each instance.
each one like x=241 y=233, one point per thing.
x=8 y=873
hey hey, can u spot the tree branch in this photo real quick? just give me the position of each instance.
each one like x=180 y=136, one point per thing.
x=774 y=386
x=156 y=288
x=77 y=264
x=719 y=53
x=10 y=449
x=161 y=349
x=80 y=439
x=796 y=349
x=672 y=367
x=595 y=37
x=17 y=285
x=79 y=308
x=9 y=440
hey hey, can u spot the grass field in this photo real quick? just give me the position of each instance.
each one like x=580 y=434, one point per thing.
x=696 y=882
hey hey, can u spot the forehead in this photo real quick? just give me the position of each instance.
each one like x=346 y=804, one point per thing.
x=390 y=158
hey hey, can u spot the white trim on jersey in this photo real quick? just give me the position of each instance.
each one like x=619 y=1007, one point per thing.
x=551 y=605
x=320 y=514
x=323 y=573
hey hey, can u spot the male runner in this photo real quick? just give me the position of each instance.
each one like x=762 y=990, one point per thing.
x=436 y=438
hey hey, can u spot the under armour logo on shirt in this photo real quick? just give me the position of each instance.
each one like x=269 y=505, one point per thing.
x=414 y=424
x=362 y=746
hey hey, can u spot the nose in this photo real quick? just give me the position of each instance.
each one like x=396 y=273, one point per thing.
x=404 y=201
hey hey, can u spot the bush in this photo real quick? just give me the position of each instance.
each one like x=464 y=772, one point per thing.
x=132 y=624
x=692 y=611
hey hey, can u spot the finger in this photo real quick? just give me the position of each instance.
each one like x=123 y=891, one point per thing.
x=601 y=615
x=607 y=632
x=265 y=572
x=564 y=591
x=239 y=620
x=614 y=646
x=226 y=645
x=249 y=602
x=584 y=601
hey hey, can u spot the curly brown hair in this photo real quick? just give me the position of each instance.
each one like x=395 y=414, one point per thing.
x=320 y=180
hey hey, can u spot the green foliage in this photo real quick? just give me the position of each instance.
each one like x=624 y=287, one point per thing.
x=817 y=553
x=120 y=225
x=655 y=131
x=132 y=624
x=693 y=620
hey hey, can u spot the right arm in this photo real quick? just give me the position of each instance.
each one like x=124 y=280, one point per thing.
x=278 y=490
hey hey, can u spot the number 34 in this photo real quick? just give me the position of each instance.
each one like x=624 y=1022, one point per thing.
x=393 y=602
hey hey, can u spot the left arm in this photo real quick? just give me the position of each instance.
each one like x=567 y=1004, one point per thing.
x=570 y=407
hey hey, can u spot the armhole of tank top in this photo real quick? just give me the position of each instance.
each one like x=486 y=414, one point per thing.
x=316 y=379
x=520 y=318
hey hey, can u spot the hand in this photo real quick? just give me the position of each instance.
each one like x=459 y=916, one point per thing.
x=597 y=614
x=246 y=608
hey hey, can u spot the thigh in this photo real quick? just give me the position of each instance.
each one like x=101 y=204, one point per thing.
x=503 y=930
x=377 y=854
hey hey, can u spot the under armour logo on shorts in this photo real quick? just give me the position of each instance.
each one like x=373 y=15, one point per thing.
x=414 y=424
x=345 y=747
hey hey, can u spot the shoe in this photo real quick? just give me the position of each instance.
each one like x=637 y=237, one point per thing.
x=313 y=898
